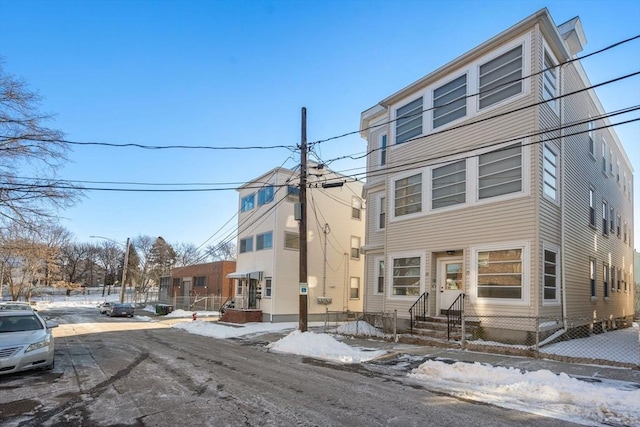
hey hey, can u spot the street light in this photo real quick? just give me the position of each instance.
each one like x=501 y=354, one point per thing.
x=124 y=266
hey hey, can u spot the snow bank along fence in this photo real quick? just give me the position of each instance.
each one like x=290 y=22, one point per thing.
x=584 y=340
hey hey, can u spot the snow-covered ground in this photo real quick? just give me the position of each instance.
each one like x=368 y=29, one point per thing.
x=541 y=392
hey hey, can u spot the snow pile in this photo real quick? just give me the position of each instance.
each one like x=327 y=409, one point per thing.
x=359 y=328
x=322 y=346
x=541 y=392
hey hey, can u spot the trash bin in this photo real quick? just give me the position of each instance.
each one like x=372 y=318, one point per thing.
x=163 y=309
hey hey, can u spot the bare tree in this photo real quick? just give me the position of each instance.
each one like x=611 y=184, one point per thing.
x=28 y=147
x=223 y=251
x=107 y=257
x=187 y=254
x=144 y=250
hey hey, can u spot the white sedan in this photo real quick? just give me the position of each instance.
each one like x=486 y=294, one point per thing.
x=26 y=341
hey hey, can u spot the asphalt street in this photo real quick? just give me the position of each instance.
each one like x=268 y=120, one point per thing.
x=126 y=372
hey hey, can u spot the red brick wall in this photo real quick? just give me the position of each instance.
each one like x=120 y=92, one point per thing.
x=216 y=274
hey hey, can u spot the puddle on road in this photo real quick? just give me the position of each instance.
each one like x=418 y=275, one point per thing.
x=19 y=407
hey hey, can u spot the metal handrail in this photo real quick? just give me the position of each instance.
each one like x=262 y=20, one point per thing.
x=421 y=302
x=454 y=314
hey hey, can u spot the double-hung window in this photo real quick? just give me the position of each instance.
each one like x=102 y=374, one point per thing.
x=592 y=276
x=379 y=276
x=248 y=203
x=383 y=150
x=551 y=278
x=265 y=195
x=246 y=245
x=355 y=247
x=592 y=209
x=605 y=219
x=409 y=121
x=501 y=78
x=448 y=184
x=592 y=139
x=549 y=86
x=200 y=281
x=604 y=156
x=268 y=284
x=605 y=279
x=408 y=195
x=500 y=172
x=406 y=276
x=356 y=207
x=382 y=212
x=612 y=219
x=499 y=274
x=550 y=167
x=264 y=241
x=354 y=288
x=450 y=101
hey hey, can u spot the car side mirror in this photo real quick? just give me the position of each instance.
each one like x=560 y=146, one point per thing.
x=51 y=324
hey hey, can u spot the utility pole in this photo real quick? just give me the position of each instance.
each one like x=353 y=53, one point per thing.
x=304 y=286
x=124 y=271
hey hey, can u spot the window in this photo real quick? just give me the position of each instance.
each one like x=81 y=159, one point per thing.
x=500 y=172
x=239 y=287
x=604 y=156
x=618 y=171
x=605 y=222
x=592 y=139
x=605 y=279
x=408 y=195
x=200 y=281
x=409 y=121
x=611 y=163
x=267 y=287
x=265 y=195
x=406 y=276
x=383 y=150
x=291 y=240
x=501 y=77
x=550 y=163
x=625 y=232
x=619 y=280
x=549 y=86
x=354 y=288
x=500 y=274
x=618 y=226
x=612 y=275
x=246 y=245
x=293 y=193
x=382 y=212
x=612 y=219
x=592 y=209
x=176 y=282
x=592 y=276
x=450 y=101
x=355 y=247
x=380 y=276
x=248 y=203
x=264 y=241
x=356 y=207
x=448 y=185
x=551 y=282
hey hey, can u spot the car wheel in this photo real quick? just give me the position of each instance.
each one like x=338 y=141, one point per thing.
x=50 y=367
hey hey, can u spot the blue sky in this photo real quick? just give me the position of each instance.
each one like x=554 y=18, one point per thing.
x=236 y=73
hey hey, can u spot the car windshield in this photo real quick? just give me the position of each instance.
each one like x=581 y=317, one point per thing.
x=19 y=323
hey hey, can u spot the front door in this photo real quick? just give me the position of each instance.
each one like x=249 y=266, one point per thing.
x=450 y=281
x=253 y=290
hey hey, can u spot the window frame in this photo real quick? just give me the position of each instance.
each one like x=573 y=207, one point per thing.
x=523 y=179
x=605 y=279
x=547 y=247
x=380 y=283
x=464 y=105
x=287 y=238
x=591 y=137
x=525 y=60
x=266 y=195
x=356 y=208
x=355 y=255
x=391 y=282
x=605 y=218
x=525 y=247
x=245 y=206
x=395 y=199
x=432 y=188
x=550 y=71
x=263 y=237
x=592 y=207
x=593 y=277
x=383 y=150
x=381 y=212
x=247 y=240
x=198 y=279
x=352 y=280
x=402 y=120
x=550 y=149
x=268 y=287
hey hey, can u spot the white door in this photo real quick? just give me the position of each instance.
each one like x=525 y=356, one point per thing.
x=450 y=280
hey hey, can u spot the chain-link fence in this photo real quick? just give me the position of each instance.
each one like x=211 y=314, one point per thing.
x=584 y=340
